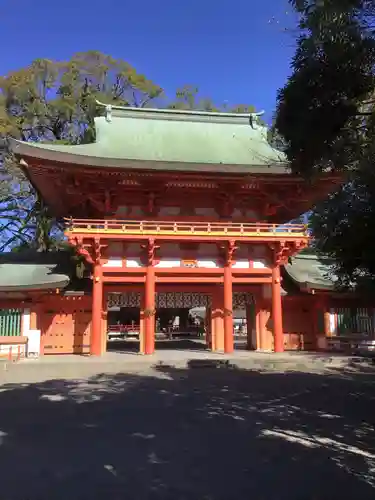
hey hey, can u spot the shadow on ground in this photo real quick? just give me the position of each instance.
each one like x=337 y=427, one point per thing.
x=211 y=431
x=175 y=344
x=179 y=344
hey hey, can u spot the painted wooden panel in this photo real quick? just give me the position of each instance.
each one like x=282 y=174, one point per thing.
x=66 y=326
x=298 y=326
x=168 y=211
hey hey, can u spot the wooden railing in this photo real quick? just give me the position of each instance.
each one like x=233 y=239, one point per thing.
x=163 y=228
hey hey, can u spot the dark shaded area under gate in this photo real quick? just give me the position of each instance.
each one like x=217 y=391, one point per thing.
x=179 y=342
x=207 y=432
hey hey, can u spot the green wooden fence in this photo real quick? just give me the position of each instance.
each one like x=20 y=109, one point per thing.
x=352 y=321
x=10 y=322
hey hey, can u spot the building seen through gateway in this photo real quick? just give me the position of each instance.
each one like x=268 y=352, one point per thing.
x=182 y=218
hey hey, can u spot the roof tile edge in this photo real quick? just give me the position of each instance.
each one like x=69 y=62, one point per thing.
x=178 y=114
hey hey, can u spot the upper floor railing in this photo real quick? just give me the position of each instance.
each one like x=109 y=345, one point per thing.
x=204 y=229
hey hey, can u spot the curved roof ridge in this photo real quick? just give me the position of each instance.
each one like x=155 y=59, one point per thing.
x=178 y=112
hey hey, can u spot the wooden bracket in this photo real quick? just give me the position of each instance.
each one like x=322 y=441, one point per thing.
x=228 y=251
x=150 y=251
x=97 y=248
x=81 y=248
x=283 y=250
x=92 y=251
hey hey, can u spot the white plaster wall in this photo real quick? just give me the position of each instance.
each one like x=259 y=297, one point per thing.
x=241 y=264
x=33 y=336
x=207 y=263
x=113 y=262
x=33 y=343
x=168 y=263
x=133 y=262
x=259 y=264
x=25 y=321
x=332 y=321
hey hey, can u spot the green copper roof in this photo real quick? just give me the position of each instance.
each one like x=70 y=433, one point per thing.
x=169 y=140
x=32 y=271
x=30 y=277
x=311 y=272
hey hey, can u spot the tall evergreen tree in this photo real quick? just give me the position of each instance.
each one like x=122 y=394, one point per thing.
x=326 y=117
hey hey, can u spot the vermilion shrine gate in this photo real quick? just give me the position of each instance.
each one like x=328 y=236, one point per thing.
x=178 y=202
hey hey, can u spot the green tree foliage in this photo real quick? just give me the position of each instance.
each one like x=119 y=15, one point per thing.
x=189 y=98
x=326 y=122
x=55 y=101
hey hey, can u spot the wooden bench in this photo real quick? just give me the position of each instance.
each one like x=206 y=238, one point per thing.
x=13 y=347
x=350 y=344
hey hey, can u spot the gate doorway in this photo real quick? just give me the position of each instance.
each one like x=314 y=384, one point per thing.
x=183 y=321
x=123 y=325
x=178 y=324
x=180 y=321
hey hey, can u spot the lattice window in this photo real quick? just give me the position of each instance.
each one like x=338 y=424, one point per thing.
x=131 y=299
x=176 y=300
x=182 y=300
x=241 y=300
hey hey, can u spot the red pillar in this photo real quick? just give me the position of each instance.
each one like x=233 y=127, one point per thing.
x=277 y=316
x=251 y=324
x=149 y=312
x=261 y=320
x=97 y=304
x=327 y=322
x=217 y=321
x=208 y=327
x=228 y=310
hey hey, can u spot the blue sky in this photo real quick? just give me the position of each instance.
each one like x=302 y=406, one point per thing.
x=233 y=50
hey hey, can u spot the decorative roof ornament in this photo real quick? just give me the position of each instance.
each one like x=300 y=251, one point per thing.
x=108 y=113
x=253 y=119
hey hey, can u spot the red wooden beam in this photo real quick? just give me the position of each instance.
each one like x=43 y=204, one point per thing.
x=192 y=237
x=186 y=279
x=121 y=279
x=109 y=271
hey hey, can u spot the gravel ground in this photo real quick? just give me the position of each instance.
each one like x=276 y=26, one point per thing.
x=92 y=431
